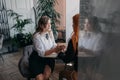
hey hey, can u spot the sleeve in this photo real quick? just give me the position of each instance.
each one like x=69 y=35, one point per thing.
x=39 y=47
x=54 y=43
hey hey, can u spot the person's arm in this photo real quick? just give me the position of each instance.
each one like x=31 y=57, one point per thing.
x=70 y=49
x=60 y=47
x=48 y=52
x=56 y=49
x=69 y=54
x=52 y=38
x=40 y=47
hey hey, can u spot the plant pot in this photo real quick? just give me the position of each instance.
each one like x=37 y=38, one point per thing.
x=20 y=39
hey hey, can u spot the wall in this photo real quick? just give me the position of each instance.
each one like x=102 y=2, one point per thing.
x=72 y=8
x=61 y=8
x=23 y=7
x=67 y=11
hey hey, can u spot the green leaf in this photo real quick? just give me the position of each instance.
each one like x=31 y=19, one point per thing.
x=20 y=23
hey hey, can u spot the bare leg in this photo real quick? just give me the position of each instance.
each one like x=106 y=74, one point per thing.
x=47 y=72
x=75 y=75
x=39 y=77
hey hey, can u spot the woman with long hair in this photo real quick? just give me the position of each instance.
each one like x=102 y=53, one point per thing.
x=44 y=44
x=70 y=55
x=91 y=42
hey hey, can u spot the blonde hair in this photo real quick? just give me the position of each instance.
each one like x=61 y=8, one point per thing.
x=42 y=23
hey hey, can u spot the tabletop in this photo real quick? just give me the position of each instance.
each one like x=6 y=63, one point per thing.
x=83 y=54
x=54 y=55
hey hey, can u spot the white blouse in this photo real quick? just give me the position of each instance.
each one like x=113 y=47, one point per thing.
x=42 y=44
x=91 y=41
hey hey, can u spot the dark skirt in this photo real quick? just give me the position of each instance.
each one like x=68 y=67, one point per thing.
x=37 y=63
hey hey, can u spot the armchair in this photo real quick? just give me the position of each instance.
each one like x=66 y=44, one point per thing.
x=1 y=44
x=24 y=63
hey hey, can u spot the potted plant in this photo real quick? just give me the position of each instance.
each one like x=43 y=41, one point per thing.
x=19 y=22
x=19 y=25
x=27 y=39
x=46 y=7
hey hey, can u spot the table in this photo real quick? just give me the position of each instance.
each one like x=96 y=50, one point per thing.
x=54 y=55
x=83 y=54
x=86 y=60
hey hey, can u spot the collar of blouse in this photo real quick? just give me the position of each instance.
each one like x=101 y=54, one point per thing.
x=45 y=34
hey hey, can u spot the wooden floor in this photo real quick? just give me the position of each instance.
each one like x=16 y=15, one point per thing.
x=9 y=69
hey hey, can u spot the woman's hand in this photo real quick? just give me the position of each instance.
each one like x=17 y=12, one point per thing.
x=62 y=47
x=59 y=48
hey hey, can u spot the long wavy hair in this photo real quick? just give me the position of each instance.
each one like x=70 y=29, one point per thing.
x=42 y=23
x=94 y=22
x=75 y=31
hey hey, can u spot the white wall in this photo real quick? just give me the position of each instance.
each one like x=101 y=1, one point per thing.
x=23 y=7
x=72 y=8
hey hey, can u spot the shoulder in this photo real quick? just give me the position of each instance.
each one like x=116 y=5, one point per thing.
x=36 y=35
x=70 y=40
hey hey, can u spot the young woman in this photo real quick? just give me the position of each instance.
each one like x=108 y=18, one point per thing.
x=44 y=44
x=72 y=49
x=91 y=42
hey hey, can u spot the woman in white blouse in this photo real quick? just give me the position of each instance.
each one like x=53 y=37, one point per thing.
x=44 y=45
x=91 y=42
x=91 y=37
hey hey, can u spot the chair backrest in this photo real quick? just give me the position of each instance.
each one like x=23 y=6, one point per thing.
x=24 y=62
x=1 y=40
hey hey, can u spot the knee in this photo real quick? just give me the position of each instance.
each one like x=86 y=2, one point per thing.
x=47 y=72
x=39 y=77
x=75 y=75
